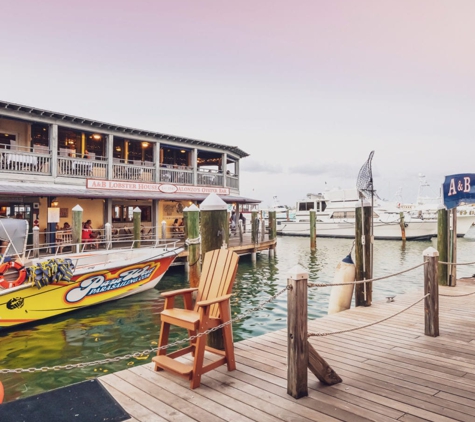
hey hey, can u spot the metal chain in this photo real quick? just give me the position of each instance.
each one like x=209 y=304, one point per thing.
x=368 y=325
x=364 y=281
x=145 y=352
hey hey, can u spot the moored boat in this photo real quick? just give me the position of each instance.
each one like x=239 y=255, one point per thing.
x=335 y=217
x=32 y=290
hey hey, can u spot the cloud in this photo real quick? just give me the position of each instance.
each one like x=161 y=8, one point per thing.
x=253 y=166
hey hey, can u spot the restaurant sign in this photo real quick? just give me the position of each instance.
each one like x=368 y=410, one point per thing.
x=153 y=187
x=459 y=188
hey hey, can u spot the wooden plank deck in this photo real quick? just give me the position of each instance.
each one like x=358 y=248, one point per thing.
x=390 y=372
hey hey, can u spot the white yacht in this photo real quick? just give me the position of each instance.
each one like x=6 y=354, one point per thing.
x=335 y=217
x=428 y=204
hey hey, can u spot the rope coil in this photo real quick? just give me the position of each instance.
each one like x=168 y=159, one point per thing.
x=195 y=241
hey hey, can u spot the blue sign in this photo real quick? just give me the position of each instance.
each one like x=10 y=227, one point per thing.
x=459 y=188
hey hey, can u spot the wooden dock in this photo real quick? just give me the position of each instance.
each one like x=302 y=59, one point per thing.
x=391 y=371
x=245 y=247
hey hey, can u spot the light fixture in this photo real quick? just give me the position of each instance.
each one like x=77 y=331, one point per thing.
x=182 y=151
x=145 y=144
x=54 y=203
x=96 y=136
x=118 y=148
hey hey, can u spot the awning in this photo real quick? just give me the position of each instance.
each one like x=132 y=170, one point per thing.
x=58 y=190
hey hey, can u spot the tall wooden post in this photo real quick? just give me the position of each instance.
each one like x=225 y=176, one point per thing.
x=297 y=332
x=76 y=228
x=443 y=244
x=402 y=224
x=363 y=254
x=214 y=223
x=194 y=246
x=313 y=230
x=272 y=230
x=453 y=248
x=214 y=235
x=431 y=286
x=254 y=228
x=36 y=242
x=108 y=235
x=137 y=226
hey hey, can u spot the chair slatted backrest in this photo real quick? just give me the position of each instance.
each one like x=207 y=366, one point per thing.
x=217 y=276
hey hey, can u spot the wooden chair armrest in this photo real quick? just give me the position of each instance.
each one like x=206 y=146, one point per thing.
x=213 y=301
x=179 y=292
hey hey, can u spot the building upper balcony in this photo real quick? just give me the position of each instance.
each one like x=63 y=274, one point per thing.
x=46 y=146
x=38 y=160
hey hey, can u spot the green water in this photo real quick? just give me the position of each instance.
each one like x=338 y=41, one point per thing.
x=132 y=324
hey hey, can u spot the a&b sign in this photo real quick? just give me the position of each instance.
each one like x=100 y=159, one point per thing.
x=459 y=188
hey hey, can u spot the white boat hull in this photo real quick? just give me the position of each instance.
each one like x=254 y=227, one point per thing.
x=414 y=230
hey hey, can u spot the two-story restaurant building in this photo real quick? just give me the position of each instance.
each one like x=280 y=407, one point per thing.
x=51 y=159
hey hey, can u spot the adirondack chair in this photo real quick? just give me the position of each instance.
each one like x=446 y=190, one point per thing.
x=212 y=308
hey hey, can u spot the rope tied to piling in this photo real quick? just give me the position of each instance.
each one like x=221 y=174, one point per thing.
x=365 y=281
x=195 y=241
x=367 y=325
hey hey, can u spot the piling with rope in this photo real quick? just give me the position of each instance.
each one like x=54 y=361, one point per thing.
x=363 y=254
x=443 y=244
x=137 y=218
x=193 y=242
x=431 y=288
x=402 y=224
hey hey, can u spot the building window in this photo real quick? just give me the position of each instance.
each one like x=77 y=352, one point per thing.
x=125 y=213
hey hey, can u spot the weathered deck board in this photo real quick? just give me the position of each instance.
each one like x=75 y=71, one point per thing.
x=390 y=372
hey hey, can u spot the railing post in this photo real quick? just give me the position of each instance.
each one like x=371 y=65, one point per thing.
x=164 y=229
x=297 y=342
x=431 y=287
x=36 y=242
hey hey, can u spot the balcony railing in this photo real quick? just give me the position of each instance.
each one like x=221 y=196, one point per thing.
x=39 y=162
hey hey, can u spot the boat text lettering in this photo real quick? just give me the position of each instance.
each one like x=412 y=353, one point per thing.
x=99 y=284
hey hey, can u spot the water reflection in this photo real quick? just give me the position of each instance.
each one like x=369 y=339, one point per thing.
x=132 y=324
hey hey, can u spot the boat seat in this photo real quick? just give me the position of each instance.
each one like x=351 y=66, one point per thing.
x=211 y=309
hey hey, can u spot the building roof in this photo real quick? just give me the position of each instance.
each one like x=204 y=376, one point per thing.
x=43 y=189
x=30 y=113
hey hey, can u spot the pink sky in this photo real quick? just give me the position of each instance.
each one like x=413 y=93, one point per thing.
x=308 y=88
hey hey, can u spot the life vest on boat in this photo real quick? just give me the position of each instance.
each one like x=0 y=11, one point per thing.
x=12 y=265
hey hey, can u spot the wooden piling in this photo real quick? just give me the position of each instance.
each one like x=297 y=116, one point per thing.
x=254 y=227
x=443 y=245
x=452 y=269
x=297 y=342
x=194 y=246
x=431 y=287
x=402 y=224
x=76 y=228
x=313 y=230
x=363 y=254
x=214 y=235
x=300 y=353
x=36 y=242
x=137 y=218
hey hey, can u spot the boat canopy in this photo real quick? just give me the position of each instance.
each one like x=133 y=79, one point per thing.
x=14 y=231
